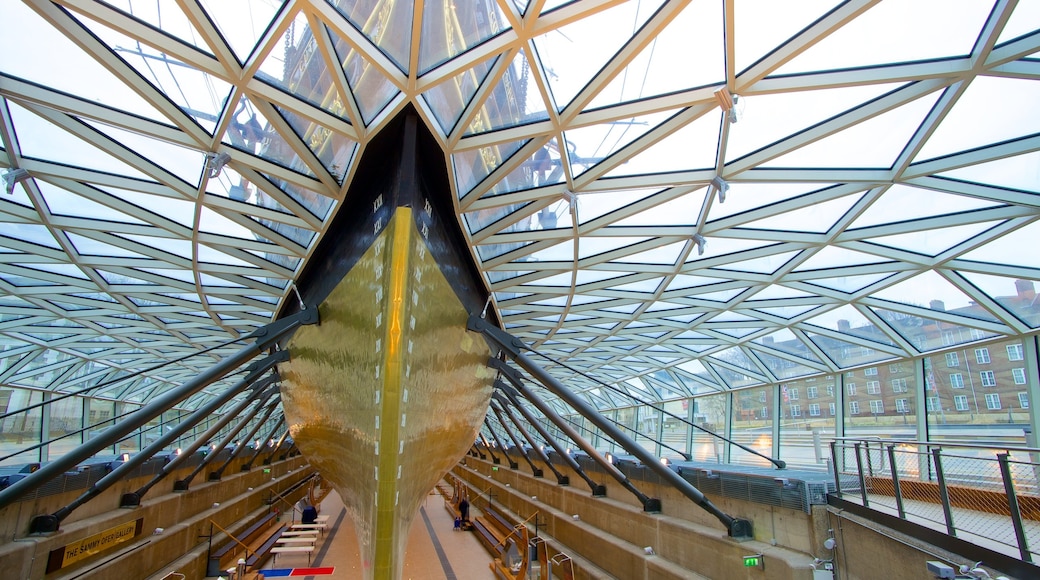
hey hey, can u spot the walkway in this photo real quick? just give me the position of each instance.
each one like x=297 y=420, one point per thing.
x=434 y=552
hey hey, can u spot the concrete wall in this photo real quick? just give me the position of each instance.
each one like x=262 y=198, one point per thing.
x=184 y=516
x=610 y=533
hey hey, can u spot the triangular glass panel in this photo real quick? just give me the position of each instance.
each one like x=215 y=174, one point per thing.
x=465 y=29
x=697 y=30
x=815 y=218
x=584 y=276
x=912 y=33
x=961 y=129
x=592 y=246
x=874 y=142
x=763 y=265
x=666 y=255
x=680 y=211
x=1023 y=21
x=540 y=169
x=768 y=118
x=783 y=368
x=725 y=246
x=725 y=316
x=904 y=203
x=40 y=138
x=597 y=37
x=735 y=332
x=787 y=312
x=389 y=28
x=846 y=354
x=1017 y=172
x=787 y=341
x=250 y=131
x=1018 y=296
x=32 y=233
x=681 y=281
x=1007 y=249
x=744 y=197
x=197 y=93
x=589 y=146
x=70 y=270
x=174 y=246
x=513 y=101
x=297 y=67
x=643 y=286
x=473 y=165
x=779 y=291
x=719 y=295
x=63 y=202
x=831 y=257
x=315 y=201
x=63 y=66
x=763 y=26
x=848 y=320
x=449 y=99
x=660 y=305
x=932 y=291
x=934 y=241
x=693 y=146
x=928 y=334
x=733 y=379
x=335 y=151
x=180 y=211
x=372 y=90
x=122 y=279
x=242 y=23
x=849 y=284
x=185 y=163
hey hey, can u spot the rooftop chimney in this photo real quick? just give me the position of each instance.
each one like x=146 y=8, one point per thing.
x=937 y=305
x=844 y=326
x=1025 y=289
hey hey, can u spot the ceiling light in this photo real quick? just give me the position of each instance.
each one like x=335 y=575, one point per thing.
x=14 y=176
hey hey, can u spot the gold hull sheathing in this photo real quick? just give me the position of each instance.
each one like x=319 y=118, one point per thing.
x=389 y=391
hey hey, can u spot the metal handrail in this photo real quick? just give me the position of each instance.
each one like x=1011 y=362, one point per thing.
x=951 y=443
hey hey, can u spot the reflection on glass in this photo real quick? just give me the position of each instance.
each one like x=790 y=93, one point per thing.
x=20 y=430
x=752 y=418
x=808 y=419
x=881 y=401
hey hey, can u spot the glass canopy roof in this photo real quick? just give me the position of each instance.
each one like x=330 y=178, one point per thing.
x=673 y=197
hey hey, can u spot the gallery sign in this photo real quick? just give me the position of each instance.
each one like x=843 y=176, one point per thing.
x=95 y=544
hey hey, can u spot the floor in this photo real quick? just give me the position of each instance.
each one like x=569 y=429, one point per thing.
x=434 y=552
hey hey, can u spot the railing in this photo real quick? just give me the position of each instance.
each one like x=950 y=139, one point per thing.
x=987 y=495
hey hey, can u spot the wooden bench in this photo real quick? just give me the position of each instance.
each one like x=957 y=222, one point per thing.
x=292 y=549
x=261 y=553
x=226 y=553
x=297 y=540
x=301 y=533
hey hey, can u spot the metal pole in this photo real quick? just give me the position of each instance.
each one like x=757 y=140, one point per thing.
x=494 y=435
x=1016 y=512
x=895 y=482
x=182 y=485
x=277 y=446
x=944 y=493
x=560 y=478
x=511 y=345
x=50 y=523
x=499 y=409
x=487 y=445
x=134 y=498
x=549 y=413
x=837 y=472
x=516 y=442
x=265 y=336
x=862 y=479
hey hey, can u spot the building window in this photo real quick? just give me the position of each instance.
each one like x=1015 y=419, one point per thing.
x=872 y=371
x=853 y=407
x=877 y=406
x=988 y=380
x=814 y=409
x=1023 y=400
x=898 y=385
x=903 y=407
x=952 y=360
x=982 y=356
x=956 y=381
x=851 y=387
x=796 y=410
x=765 y=412
x=1020 y=376
x=830 y=390
x=1014 y=351
x=811 y=392
x=793 y=393
x=993 y=401
x=833 y=408
x=873 y=387
x=762 y=397
x=960 y=402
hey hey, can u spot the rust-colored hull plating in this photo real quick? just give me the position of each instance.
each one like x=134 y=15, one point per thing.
x=389 y=391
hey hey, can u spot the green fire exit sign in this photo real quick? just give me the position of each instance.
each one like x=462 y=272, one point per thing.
x=753 y=561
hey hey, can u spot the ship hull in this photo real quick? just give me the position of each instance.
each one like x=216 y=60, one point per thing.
x=389 y=391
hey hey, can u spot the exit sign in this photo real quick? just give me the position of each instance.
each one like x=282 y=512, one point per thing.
x=753 y=561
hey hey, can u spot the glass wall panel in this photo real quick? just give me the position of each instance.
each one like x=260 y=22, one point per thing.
x=649 y=420
x=131 y=442
x=675 y=432
x=881 y=401
x=709 y=413
x=808 y=421
x=66 y=420
x=752 y=425
x=20 y=430
x=100 y=415
x=979 y=394
x=626 y=419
